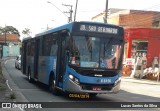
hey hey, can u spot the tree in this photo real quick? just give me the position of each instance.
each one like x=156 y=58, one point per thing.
x=9 y=30
x=1 y=30
x=26 y=32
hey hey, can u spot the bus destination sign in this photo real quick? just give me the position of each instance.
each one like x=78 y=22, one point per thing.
x=100 y=29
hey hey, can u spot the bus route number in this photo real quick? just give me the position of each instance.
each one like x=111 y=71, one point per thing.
x=92 y=28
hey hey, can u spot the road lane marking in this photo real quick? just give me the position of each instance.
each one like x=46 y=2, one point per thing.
x=8 y=60
x=8 y=85
x=21 y=109
x=27 y=89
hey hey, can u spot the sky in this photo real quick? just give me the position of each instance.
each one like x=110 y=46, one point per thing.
x=38 y=14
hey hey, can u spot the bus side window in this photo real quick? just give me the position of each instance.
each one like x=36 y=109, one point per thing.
x=50 y=45
x=46 y=46
x=69 y=48
x=53 y=51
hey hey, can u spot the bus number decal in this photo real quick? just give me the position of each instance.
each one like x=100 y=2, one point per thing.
x=82 y=27
x=105 y=81
x=92 y=28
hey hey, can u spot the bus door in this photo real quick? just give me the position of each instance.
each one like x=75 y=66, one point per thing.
x=36 y=58
x=24 y=49
x=61 y=58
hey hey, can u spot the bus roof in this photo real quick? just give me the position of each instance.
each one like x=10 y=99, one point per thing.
x=27 y=38
x=66 y=26
x=69 y=27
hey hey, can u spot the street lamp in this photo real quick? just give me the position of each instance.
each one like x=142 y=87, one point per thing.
x=57 y=8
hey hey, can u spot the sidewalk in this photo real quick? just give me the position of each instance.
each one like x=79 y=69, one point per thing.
x=141 y=81
x=5 y=95
x=5 y=58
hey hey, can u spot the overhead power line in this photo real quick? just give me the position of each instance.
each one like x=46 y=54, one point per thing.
x=57 y=8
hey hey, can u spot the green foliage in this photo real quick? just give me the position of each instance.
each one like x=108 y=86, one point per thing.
x=12 y=96
x=1 y=76
x=9 y=30
x=2 y=86
x=26 y=32
x=1 y=30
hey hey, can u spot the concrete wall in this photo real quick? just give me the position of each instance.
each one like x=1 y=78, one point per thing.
x=12 y=50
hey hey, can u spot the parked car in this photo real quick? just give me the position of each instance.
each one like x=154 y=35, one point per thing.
x=18 y=62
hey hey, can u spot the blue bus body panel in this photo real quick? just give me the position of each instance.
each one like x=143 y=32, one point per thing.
x=51 y=67
x=92 y=80
x=45 y=70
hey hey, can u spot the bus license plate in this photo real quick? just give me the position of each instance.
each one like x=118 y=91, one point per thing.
x=94 y=88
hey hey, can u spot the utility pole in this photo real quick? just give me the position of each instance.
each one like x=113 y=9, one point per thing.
x=47 y=27
x=5 y=34
x=106 y=12
x=75 y=10
x=70 y=12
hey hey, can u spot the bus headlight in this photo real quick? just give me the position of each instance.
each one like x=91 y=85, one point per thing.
x=74 y=79
x=71 y=76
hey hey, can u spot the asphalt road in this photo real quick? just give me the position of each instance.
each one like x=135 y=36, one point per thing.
x=36 y=92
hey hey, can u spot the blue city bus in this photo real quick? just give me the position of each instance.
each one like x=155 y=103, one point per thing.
x=79 y=57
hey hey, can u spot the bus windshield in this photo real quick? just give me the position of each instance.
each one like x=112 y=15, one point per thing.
x=95 y=52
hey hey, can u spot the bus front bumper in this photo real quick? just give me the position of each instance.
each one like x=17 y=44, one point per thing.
x=75 y=88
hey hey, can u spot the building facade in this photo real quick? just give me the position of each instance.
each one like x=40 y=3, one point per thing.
x=10 y=45
x=142 y=31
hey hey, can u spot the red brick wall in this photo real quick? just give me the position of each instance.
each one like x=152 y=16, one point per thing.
x=137 y=20
x=10 y=37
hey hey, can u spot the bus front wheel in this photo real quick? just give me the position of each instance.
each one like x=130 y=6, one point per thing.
x=52 y=86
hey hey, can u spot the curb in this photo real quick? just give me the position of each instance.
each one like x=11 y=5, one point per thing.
x=140 y=81
x=10 y=85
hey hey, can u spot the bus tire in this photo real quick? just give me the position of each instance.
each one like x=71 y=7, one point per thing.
x=29 y=76
x=52 y=87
